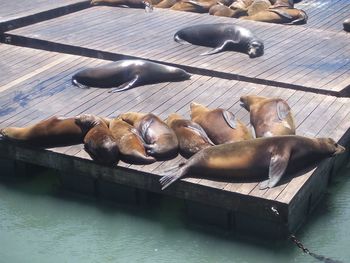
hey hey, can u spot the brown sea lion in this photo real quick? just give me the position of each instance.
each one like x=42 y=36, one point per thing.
x=198 y=6
x=269 y=116
x=222 y=10
x=166 y=3
x=192 y=138
x=258 y=6
x=99 y=142
x=129 y=143
x=271 y=157
x=282 y=3
x=220 y=125
x=52 y=132
x=346 y=25
x=289 y=16
x=160 y=141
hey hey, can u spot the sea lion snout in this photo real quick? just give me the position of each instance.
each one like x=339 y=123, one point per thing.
x=255 y=49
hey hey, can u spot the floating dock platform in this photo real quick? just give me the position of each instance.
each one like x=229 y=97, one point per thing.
x=308 y=67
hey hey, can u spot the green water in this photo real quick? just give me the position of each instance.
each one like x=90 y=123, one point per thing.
x=38 y=223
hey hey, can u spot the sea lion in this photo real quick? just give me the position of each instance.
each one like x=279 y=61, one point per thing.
x=222 y=37
x=258 y=6
x=52 y=132
x=288 y=16
x=129 y=143
x=269 y=116
x=166 y=3
x=271 y=157
x=346 y=25
x=200 y=6
x=191 y=136
x=99 y=142
x=160 y=141
x=126 y=74
x=220 y=125
x=282 y=3
x=222 y=10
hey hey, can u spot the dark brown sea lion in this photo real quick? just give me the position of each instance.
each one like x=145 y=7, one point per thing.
x=346 y=25
x=269 y=116
x=191 y=136
x=99 y=142
x=126 y=74
x=220 y=125
x=53 y=132
x=160 y=141
x=221 y=37
x=289 y=16
x=129 y=143
x=271 y=157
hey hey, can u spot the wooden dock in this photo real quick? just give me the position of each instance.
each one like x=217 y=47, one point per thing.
x=307 y=67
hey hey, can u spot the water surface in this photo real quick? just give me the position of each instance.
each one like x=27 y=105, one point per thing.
x=38 y=223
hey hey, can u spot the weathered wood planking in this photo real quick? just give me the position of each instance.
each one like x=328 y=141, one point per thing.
x=295 y=57
x=41 y=88
x=16 y=13
x=326 y=15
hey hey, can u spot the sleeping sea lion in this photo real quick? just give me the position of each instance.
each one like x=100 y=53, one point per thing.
x=159 y=140
x=198 y=6
x=52 y=132
x=126 y=74
x=289 y=16
x=129 y=143
x=269 y=116
x=191 y=136
x=222 y=10
x=99 y=142
x=271 y=157
x=220 y=125
x=221 y=37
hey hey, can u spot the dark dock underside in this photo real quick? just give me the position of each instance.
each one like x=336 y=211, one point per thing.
x=308 y=66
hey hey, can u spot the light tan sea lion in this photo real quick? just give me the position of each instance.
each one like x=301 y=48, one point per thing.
x=99 y=142
x=271 y=157
x=282 y=3
x=192 y=138
x=198 y=6
x=129 y=143
x=160 y=141
x=166 y=3
x=289 y=16
x=220 y=125
x=258 y=6
x=52 y=132
x=269 y=116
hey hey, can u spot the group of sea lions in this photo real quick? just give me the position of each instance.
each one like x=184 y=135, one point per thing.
x=215 y=141
x=272 y=11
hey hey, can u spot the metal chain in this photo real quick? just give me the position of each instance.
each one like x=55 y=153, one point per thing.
x=300 y=245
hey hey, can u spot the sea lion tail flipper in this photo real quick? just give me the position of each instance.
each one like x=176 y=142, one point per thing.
x=230 y=119
x=126 y=85
x=198 y=129
x=79 y=85
x=281 y=13
x=172 y=175
x=219 y=48
x=193 y=2
x=302 y=19
x=278 y=165
x=282 y=109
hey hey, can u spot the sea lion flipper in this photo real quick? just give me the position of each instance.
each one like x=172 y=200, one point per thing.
x=198 y=129
x=230 y=119
x=282 y=109
x=172 y=174
x=219 y=48
x=193 y=2
x=281 y=13
x=79 y=85
x=126 y=85
x=278 y=165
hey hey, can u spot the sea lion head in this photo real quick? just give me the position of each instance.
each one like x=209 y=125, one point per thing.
x=172 y=117
x=106 y=153
x=255 y=48
x=330 y=146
